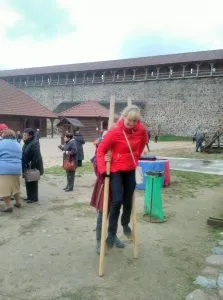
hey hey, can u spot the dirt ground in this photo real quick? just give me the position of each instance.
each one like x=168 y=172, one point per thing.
x=53 y=156
x=47 y=250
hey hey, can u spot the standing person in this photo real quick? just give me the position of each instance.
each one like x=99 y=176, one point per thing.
x=79 y=142
x=128 y=130
x=19 y=137
x=10 y=169
x=149 y=136
x=156 y=137
x=31 y=158
x=101 y=132
x=199 y=140
x=2 y=128
x=69 y=151
x=149 y=133
x=37 y=135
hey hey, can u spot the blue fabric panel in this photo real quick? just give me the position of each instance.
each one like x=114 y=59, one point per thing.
x=157 y=165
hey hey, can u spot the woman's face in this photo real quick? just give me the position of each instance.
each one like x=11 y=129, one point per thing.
x=130 y=123
x=26 y=136
x=65 y=139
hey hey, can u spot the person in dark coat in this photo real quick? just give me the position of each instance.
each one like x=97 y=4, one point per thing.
x=31 y=158
x=200 y=136
x=80 y=151
x=69 y=150
x=37 y=135
x=156 y=137
x=18 y=137
x=149 y=136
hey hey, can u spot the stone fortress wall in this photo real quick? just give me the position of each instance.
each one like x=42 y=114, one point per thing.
x=178 y=106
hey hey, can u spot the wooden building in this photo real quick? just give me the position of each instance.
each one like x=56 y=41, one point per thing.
x=68 y=125
x=91 y=114
x=19 y=111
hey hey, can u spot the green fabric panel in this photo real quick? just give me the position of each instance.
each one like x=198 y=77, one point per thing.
x=153 y=204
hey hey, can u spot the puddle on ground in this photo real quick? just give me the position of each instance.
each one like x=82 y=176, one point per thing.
x=206 y=162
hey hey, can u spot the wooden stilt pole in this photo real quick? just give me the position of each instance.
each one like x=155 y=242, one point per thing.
x=134 y=221
x=106 y=195
x=134 y=229
x=129 y=101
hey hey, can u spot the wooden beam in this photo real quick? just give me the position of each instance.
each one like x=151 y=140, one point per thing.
x=106 y=195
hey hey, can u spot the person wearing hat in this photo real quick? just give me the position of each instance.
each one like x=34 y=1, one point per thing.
x=2 y=128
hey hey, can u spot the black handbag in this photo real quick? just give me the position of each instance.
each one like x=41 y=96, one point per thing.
x=32 y=175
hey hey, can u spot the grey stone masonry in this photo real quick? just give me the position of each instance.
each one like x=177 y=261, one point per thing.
x=215 y=261
x=211 y=281
x=177 y=106
x=197 y=295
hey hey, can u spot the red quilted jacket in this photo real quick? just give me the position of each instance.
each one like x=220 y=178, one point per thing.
x=114 y=140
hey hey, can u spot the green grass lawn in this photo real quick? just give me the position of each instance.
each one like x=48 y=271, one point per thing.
x=58 y=170
x=194 y=179
x=173 y=138
x=188 y=184
x=186 y=152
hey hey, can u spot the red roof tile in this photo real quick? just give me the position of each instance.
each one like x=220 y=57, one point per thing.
x=211 y=55
x=14 y=102
x=89 y=108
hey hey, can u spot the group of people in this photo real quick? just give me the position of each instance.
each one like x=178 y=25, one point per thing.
x=122 y=146
x=16 y=161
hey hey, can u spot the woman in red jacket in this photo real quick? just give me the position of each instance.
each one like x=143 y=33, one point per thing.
x=128 y=130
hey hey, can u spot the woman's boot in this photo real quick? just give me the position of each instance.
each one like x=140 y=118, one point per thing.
x=118 y=243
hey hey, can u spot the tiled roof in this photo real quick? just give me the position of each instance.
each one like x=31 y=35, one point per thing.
x=74 y=121
x=15 y=102
x=89 y=108
x=119 y=105
x=211 y=55
x=64 y=106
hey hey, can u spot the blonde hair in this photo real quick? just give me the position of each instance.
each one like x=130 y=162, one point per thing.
x=8 y=133
x=132 y=112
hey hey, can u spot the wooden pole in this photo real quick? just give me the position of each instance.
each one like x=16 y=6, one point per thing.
x=134 y=228
x=134 y=221
x=106 y=195
x=129 y=103
x=51 y=121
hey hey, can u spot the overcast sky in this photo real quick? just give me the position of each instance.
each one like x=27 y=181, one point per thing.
x=51 y=32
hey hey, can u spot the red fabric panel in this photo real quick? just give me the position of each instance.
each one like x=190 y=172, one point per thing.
x=97 y=198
